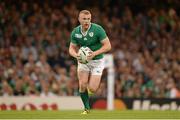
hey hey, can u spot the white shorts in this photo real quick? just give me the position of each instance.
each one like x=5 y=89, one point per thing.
x=95 y=67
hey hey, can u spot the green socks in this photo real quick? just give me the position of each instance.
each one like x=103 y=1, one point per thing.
x=85 y=99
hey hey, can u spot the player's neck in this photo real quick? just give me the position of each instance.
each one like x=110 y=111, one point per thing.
x=85 y=29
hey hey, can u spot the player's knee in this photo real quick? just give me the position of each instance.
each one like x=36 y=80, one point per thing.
x=92 y=89
x=83 y=84
x=82 y=87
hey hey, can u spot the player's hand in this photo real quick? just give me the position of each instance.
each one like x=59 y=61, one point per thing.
x=91 y=56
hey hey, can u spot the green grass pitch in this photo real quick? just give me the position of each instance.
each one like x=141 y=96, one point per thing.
x=95 y=114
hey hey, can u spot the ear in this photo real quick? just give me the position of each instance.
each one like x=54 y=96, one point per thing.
x=79 y=19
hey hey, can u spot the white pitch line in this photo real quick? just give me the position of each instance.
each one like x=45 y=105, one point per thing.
x=86 y=119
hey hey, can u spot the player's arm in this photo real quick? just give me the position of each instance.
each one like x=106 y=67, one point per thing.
x=106 y=46
x=73 y=50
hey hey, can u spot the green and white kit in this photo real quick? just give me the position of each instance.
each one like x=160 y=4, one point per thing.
x=92 y=38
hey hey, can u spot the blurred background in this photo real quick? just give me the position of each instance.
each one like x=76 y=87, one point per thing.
x=35 y=35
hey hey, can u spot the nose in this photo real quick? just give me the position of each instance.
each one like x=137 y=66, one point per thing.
x=86 y=21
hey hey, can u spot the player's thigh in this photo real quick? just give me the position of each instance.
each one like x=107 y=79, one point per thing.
x=97 y=66
x=83 y=73
x=83 y=76
x=96 y=73
x=94 y=82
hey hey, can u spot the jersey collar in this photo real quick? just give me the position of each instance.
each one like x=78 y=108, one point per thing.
x=85 y=33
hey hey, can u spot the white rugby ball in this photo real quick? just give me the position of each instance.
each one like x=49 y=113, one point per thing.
x=83 y=53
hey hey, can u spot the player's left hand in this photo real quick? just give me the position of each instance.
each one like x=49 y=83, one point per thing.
x=91 y=56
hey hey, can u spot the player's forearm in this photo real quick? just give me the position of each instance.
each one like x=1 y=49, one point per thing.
x=103 y=49
x=73 y=53
x=73 y=50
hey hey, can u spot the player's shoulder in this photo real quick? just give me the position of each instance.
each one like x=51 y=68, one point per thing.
x=96 y=25
x=76 y=29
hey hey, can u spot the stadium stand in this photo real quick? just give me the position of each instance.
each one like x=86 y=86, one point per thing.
x=34 y=39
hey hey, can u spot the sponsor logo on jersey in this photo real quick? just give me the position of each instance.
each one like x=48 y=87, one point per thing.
x=78 y=35
x=85 y=38
x=91 y=34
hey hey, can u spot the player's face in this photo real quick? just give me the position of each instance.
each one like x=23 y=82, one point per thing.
x=85 y=20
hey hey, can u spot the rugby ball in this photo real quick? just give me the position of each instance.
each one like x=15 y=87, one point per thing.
x=83 y=53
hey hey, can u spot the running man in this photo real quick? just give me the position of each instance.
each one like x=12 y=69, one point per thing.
x=93 y=36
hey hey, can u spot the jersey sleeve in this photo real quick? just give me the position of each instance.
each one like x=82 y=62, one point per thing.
x=102 y=33
x=73 y=39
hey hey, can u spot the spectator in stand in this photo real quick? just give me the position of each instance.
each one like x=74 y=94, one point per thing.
x=6 y=89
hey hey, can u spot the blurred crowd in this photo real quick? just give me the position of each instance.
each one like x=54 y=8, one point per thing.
x=34 y=40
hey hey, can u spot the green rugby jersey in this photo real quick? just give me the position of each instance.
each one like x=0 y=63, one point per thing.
x=92 y=39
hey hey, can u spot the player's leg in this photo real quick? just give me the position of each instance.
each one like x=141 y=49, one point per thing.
x=95 y=77
x=94 y=83
x=83 y=76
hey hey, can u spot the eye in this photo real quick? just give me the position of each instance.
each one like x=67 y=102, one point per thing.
x=86 y=18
